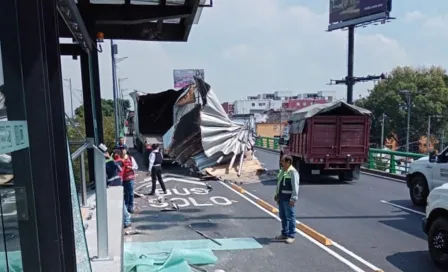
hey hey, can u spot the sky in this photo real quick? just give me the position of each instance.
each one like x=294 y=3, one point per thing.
x=260 y=46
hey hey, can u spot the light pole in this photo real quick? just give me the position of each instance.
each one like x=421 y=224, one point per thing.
x=114 y=52
x=429 y=131
x=408 y=95
x=120 y=100
x=69 y=80
x=382 y=130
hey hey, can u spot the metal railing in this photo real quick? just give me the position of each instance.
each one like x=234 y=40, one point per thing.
x=100 y=191
x=267 y=142
x=393 y=162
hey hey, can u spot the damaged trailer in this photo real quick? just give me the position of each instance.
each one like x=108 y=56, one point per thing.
x=204 y=139
x=153 y=117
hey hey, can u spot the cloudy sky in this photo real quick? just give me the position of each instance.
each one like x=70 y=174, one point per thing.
x=255 y=46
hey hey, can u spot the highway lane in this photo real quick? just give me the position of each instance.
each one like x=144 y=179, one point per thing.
x=353 y=215
x=241 y=218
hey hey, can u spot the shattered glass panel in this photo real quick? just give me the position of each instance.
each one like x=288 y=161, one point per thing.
x=82 y=253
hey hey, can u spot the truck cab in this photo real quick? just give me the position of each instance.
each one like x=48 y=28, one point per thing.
x=435 y=225
x=425 y=174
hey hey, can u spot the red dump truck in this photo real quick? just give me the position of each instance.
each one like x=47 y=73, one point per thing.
x=328 y=139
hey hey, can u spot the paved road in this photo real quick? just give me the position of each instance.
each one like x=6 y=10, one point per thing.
x=223 y=213
x=354 y=216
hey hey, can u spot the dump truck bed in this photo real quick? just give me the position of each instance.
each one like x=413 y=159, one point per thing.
x=332 y=137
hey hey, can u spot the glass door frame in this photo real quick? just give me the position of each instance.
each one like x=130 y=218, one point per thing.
x=33 y=93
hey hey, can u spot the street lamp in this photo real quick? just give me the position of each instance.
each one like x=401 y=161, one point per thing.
x=116 y=88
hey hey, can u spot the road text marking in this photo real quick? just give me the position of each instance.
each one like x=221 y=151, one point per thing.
x=184 y=201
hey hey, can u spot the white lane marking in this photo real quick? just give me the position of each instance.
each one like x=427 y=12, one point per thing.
x=348 y=252
x=328 y=250
x=356 y=257
x=401 y=207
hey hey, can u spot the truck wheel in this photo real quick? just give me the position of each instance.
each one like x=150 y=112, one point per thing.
x=418 y=190
x=345 y=176
x=304 y=171
x=438 y=242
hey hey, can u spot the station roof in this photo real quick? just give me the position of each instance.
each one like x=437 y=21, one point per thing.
x=145 y=20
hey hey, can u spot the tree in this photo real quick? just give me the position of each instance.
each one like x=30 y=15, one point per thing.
x=429 y=96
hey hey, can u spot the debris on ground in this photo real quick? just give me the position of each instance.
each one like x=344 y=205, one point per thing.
x=205 y=236
x=134 y=232
x=138 y=195
x=175 y=261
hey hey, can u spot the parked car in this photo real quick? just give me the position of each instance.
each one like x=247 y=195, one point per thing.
x=435 y=225
x=425 y=174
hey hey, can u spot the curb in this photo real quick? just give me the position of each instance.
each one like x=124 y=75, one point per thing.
x=302 y=227
x=314 y=234
x=238 y=188
x=266 y=205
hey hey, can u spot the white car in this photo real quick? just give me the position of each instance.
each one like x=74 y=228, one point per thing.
x=425 y=174
x=435 y=225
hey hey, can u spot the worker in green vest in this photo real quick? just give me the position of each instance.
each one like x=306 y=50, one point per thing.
x=286 y=196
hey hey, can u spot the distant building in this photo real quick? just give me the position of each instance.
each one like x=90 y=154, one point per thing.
x=296 y=104
x=255 y=105
x=228 y=108
x=280 y=100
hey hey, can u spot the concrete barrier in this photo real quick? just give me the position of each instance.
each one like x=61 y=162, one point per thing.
x=314 y=234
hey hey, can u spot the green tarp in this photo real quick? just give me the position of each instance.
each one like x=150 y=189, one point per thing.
x=176 y=261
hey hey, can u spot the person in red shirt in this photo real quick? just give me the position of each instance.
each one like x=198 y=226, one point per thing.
x=119 y=161
x=129 y=165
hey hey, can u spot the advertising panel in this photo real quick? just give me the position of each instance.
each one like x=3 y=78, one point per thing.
x=344 y=10
x=184 y=77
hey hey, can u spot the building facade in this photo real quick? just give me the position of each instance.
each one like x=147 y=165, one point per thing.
x=228 y=108
x=280 y=100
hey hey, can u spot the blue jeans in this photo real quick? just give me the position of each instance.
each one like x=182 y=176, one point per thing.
x=128 y=188
x=126 y=216
x=288 y=216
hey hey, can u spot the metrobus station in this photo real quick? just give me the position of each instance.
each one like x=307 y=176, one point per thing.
x=41 y=226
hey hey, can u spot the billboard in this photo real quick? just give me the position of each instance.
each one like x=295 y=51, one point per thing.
x=184 y=77
x=345 y=10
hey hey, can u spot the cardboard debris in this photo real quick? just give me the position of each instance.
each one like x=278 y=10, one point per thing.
x=251 y=170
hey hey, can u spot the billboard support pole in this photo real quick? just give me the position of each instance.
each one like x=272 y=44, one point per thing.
x=350 y=80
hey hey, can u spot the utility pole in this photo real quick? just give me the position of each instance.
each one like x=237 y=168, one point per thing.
x=351 y=56
x=429 y=134
x=428 y=138
x=114 y=51
x=382 y=130
x=442 y=140
x=408 y=105
x=69 y=80
x=351 y=81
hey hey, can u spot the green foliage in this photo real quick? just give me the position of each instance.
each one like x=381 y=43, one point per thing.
x=429 y=96
x=107 y=107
